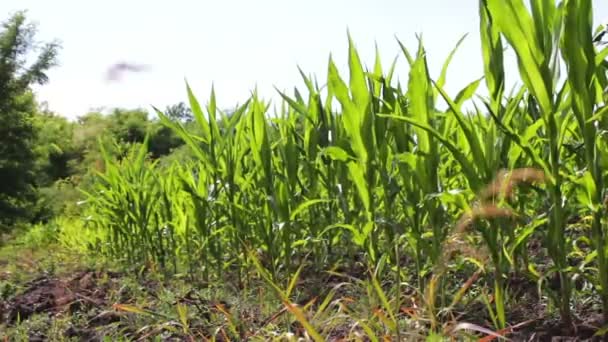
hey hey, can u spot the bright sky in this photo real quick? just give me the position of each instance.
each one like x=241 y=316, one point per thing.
x=237 y=45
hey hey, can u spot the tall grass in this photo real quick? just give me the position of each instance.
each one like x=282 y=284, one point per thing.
x=386 y=177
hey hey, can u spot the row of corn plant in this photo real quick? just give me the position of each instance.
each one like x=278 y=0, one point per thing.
x=546 y=38
x=368 y=171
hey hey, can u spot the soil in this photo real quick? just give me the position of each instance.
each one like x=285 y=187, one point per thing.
x=81 y=292
x=89 y=293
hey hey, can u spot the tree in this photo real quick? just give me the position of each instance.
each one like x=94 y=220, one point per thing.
x=179 y=112
x=55 y=147
x=129 y=126
x=17 y=109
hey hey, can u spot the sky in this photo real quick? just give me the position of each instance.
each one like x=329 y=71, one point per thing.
x=238 y=45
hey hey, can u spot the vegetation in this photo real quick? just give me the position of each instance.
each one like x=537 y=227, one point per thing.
x=360 y=208
x=17 y=106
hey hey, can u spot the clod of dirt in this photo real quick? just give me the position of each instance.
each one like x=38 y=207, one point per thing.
x=55 y=295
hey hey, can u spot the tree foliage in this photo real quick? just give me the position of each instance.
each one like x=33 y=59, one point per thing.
x=17 y=109
x=179 y=112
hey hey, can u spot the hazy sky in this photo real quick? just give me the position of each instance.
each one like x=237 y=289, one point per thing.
x=236 y=44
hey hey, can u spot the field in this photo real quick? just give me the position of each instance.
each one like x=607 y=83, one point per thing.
x=356 y=210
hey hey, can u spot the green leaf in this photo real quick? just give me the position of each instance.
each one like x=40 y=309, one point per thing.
x=358 y=238
x=526 y=232
x=518 y=28
x=352 y=115
x=358 y=86
x=444 y=68
x=492 y=53
x=306 y=205
x=357 y=174
x=471 y=136
x=198 y=113
x=588 y=191
x=337 y=153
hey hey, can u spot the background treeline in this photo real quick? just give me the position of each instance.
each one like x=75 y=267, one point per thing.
x=67 y=152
